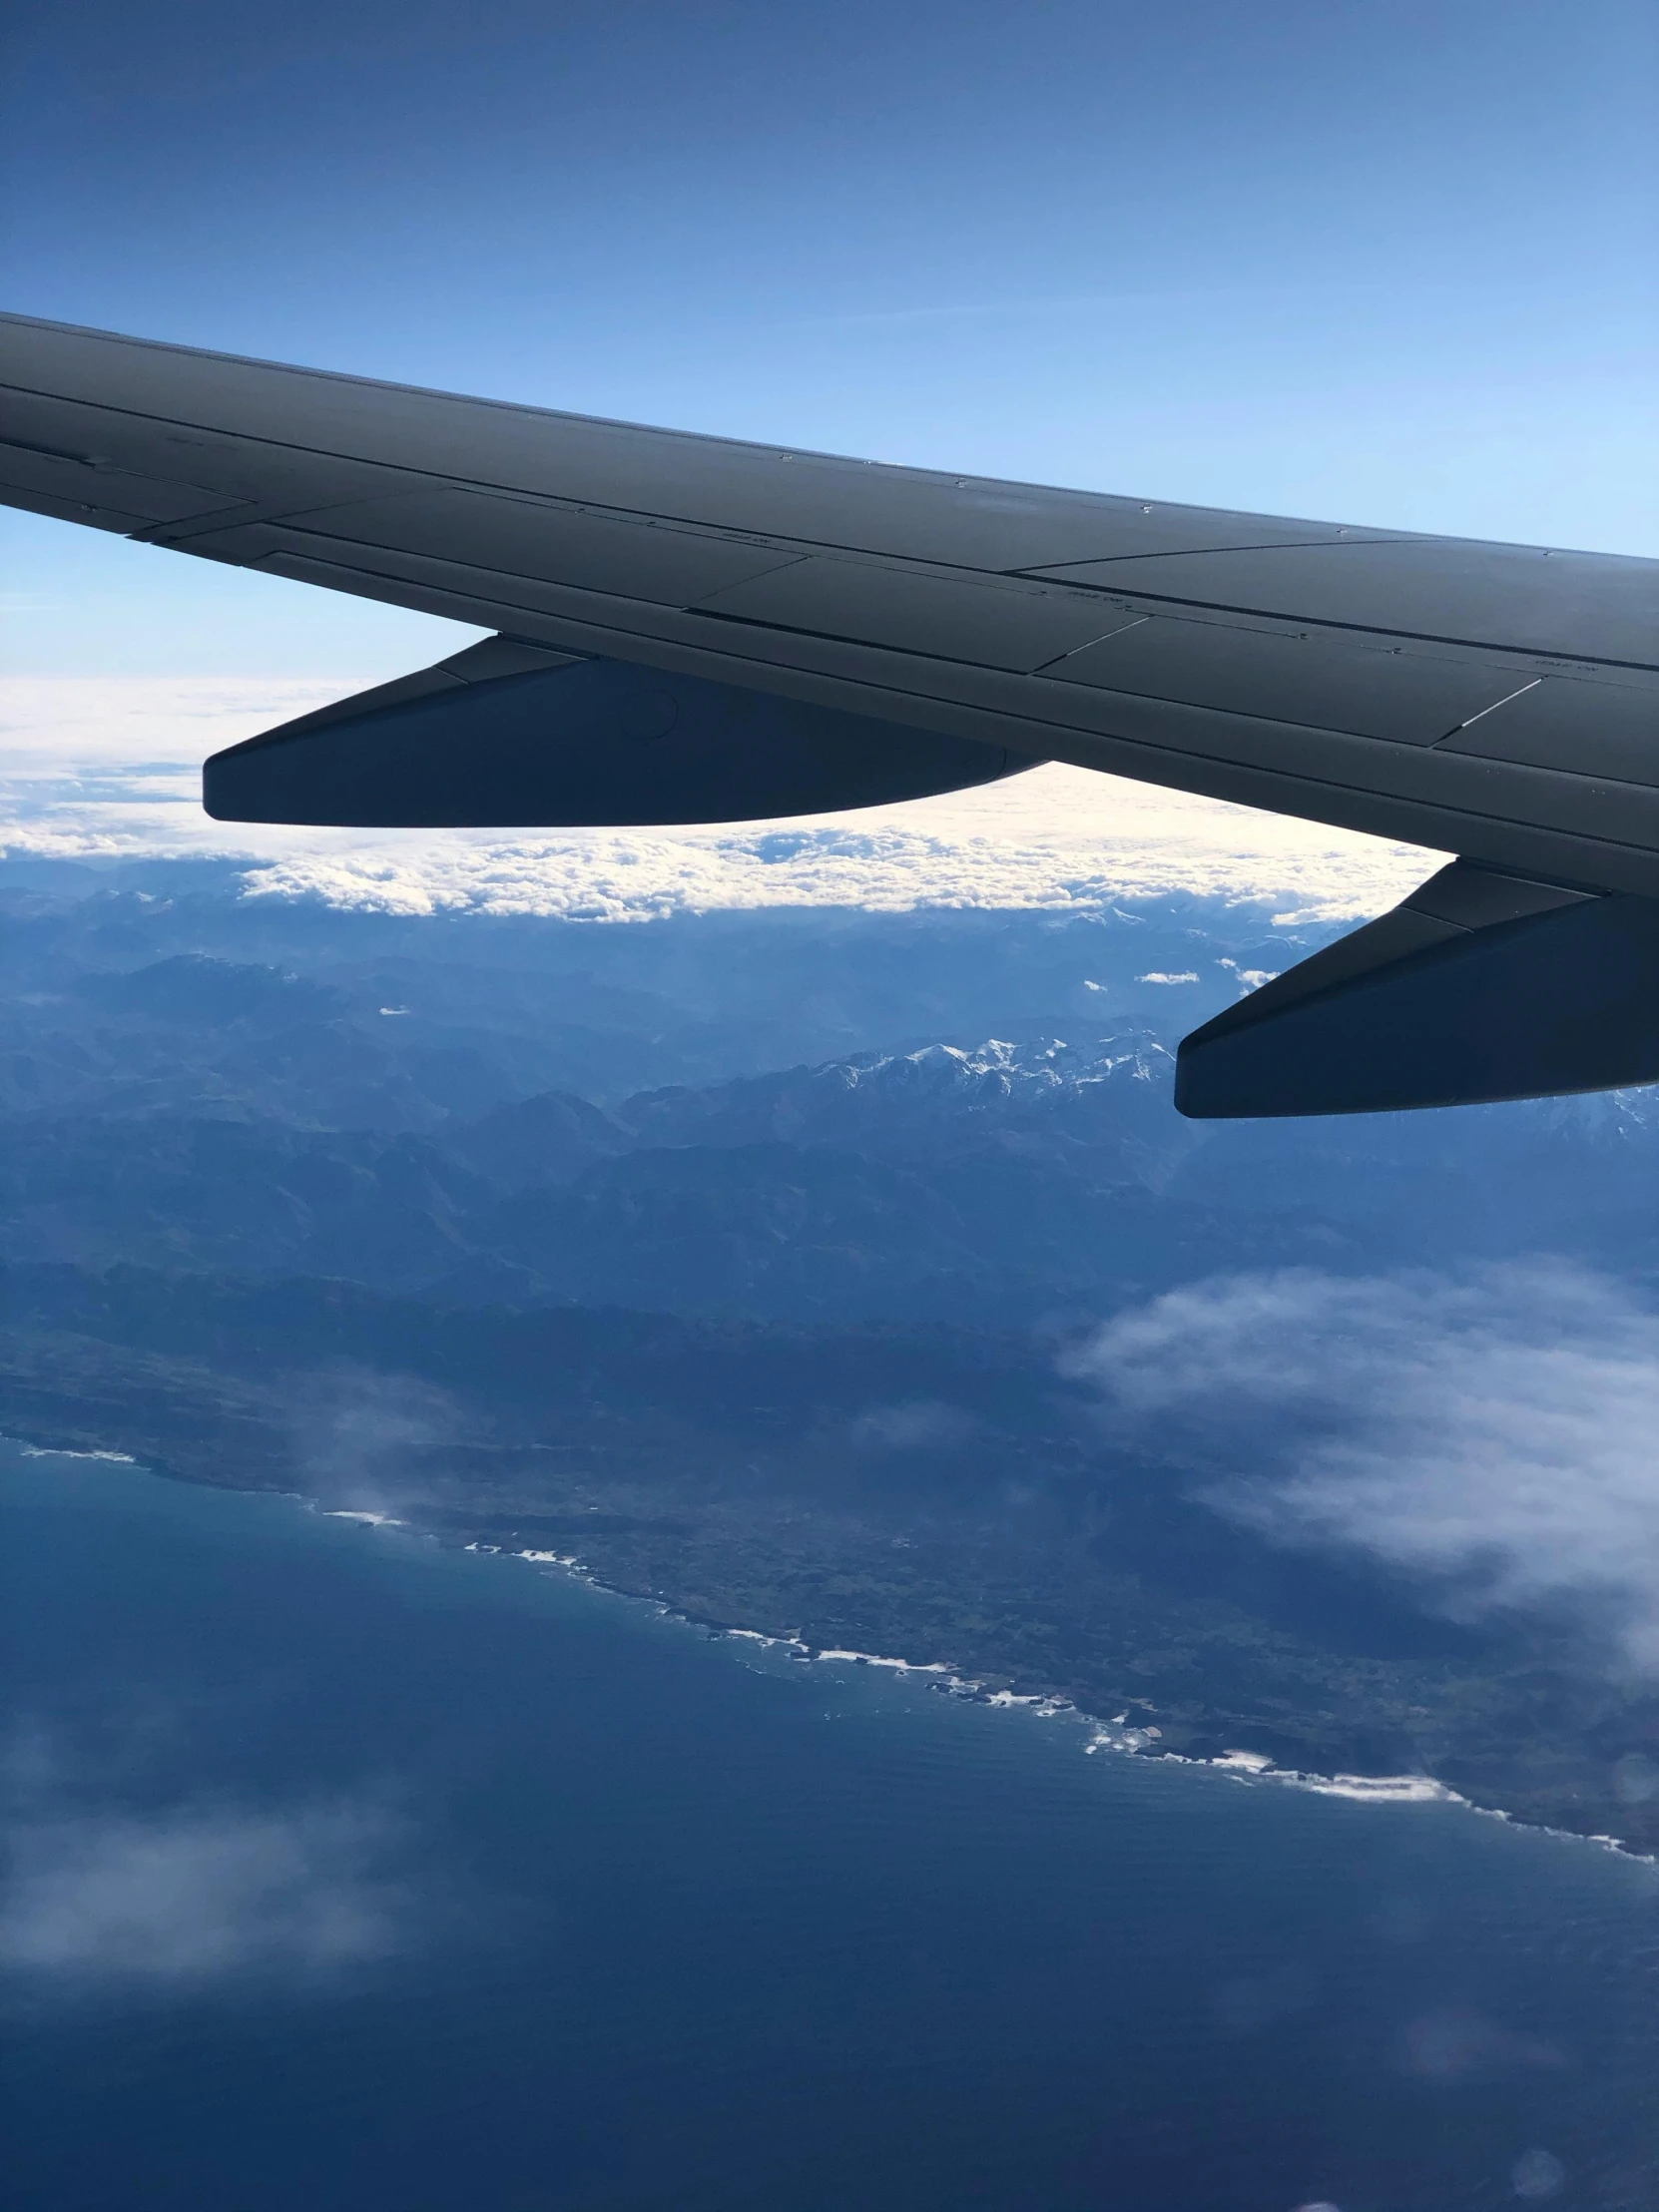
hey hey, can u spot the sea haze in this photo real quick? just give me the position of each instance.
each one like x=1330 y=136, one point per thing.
x=351 y=1870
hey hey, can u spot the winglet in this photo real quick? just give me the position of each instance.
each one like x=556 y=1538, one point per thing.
x=1481 y=986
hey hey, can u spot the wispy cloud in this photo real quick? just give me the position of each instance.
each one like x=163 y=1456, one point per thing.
x=1492 y=1433
x=202 y=1895
x=357 y=1430
x=107 y=1890
x=918 y=1425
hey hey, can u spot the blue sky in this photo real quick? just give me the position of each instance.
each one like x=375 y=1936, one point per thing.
x=1396 y=262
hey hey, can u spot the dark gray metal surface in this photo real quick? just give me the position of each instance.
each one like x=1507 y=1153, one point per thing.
x=865 y=630
x=1479 y=988
x=626 y=558
x=705 y=557
x=1404 y=697
x=1516 y=598
x=985 y=622
x=1579 y=724
x=480 y=743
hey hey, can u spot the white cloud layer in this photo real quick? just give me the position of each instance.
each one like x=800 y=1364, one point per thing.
x=1498 y=1432
x=202 y=1895
x=106 y=766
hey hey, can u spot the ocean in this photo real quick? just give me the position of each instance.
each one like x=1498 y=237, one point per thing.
x=348 y=1871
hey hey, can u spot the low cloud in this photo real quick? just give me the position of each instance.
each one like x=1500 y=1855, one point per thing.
x=919 y=1424
x=202 y=1895
x=1456 y=2045
x=1497 y=1433
x=109 y=1889
x=360 y=1432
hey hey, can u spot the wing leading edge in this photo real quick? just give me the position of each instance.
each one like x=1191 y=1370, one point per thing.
x=694 y=629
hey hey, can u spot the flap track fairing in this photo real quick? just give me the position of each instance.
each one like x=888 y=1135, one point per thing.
x=509 y=734
x=1481 y=986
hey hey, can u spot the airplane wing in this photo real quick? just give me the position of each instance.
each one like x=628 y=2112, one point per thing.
x=693 y=629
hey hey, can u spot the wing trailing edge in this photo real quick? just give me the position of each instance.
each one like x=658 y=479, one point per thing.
x=509 y=734
x=1481 y=986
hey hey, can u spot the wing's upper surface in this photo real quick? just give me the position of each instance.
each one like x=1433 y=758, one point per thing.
x=1500 y=702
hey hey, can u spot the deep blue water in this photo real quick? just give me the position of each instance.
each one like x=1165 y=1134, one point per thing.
x=354 y=1873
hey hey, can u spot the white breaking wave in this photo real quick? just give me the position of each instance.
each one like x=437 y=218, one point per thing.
x=106 y=767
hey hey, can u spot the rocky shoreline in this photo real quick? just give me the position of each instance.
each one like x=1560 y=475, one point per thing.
x=739 y=1540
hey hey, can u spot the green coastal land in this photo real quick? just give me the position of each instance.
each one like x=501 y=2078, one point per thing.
x=984 y=1520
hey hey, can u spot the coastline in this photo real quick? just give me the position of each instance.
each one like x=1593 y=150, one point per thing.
x=1115 y=1734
